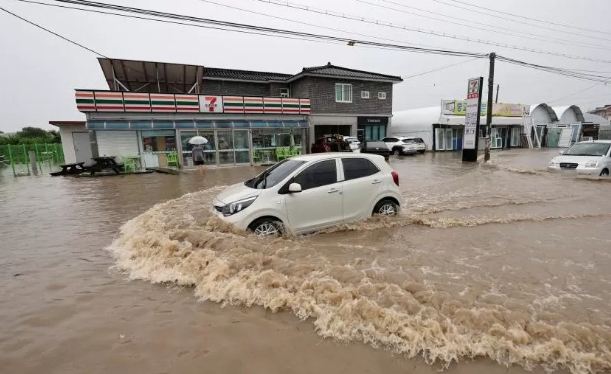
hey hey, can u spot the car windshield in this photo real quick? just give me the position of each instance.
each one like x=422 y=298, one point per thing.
x=588 y=149
x=274 y=175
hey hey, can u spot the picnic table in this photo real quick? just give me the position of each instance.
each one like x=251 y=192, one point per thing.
x=75 y=168
x=105 y=163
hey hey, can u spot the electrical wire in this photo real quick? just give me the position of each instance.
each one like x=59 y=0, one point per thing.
x=487 y=27
x=260 y=30
x=438 y=69
x=306 y=23
x=231 y=26
x=422 y=31
x=52 y=32
x=533 y=19
x=513 y=20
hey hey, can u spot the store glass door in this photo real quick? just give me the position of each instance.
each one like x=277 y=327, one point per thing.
x=225 y=147
x=240 y=142
x=439 y=140
x=449 y=137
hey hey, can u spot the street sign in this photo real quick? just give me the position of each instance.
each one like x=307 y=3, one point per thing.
x=474 y=94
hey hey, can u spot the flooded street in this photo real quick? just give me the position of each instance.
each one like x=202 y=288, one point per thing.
x=505 y=263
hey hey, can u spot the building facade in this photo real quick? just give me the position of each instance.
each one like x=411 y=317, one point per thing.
x=153 y=109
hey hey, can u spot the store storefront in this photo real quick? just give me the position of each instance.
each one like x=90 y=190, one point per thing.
x=166 y=143
x=372 y=128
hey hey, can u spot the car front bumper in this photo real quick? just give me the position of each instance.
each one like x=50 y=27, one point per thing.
x=239 y=219
x=582 y=170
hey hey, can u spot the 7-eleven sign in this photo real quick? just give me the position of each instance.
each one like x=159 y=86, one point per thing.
x=211 y=104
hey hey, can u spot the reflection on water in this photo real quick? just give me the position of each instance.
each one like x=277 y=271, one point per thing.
x=504 y=261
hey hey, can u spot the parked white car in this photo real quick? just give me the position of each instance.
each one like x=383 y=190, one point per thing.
x=354 y=142
x=401 y=145
x=590 y=157
x=311 y=192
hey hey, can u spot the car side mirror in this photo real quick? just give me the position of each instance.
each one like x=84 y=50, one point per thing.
x=561 y=152
x=294 y=188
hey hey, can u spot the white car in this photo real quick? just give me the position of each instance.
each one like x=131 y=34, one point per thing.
x=590 y=157
x=420 y=144
x=354 y=142
x=307 y=193
x=401 y=145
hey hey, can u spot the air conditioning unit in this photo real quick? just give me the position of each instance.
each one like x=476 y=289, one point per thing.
x=284 y=92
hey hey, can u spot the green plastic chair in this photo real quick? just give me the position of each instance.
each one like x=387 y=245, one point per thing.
x=295 y=152
x=173 y=159
x=256 y=156
x=281 y=154
x=129 y=165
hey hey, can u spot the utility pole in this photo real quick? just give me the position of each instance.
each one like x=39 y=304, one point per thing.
x=496 y=100
x=489 y=107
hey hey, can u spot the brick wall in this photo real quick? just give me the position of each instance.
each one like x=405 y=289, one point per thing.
x=235 y=88
x=321 y=91
x=274 y=89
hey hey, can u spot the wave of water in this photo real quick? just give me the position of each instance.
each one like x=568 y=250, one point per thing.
x=361 y=300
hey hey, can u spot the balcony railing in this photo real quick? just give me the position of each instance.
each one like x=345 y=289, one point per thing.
x=135 y=102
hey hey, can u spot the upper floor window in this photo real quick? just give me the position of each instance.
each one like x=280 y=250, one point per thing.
x=364 y=94
x=343 y=93
x=382 y=95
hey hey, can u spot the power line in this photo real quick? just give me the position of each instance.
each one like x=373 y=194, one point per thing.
x=52 y=32
x=251 y=29
x=533 y=19
x=488 y=27
x=517 y=21
x=225 y=25
x=306 y=23
x=422 y=31
x=438 y=69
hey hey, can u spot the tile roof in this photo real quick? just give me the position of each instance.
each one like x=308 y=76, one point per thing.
x=338 y=71
x=326 y=70
x=244 y=75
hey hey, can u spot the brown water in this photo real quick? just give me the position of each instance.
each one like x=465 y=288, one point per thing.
x=502 y=263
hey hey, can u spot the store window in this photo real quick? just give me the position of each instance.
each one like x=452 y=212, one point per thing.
x=209 y=148
x=156 y=145
x=273 y=145
x=373 y=132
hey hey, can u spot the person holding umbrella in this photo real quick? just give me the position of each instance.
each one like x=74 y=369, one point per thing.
x=198 y=152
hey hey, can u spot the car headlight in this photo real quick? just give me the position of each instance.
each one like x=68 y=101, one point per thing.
x=238 y=206
x=592 y=164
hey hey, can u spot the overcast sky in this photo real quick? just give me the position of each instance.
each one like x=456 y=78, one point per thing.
x=40 y=71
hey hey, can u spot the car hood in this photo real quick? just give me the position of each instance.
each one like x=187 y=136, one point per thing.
x=236 y=192
x=581 y=160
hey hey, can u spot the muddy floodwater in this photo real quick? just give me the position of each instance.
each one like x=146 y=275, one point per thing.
x=487 y=267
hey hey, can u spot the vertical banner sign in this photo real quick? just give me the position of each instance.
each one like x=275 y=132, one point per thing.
x=474 y=94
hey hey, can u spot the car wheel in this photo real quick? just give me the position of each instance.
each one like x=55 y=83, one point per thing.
x=396 y=152
x=604 y=173
x=266 y=227
x=386 y=207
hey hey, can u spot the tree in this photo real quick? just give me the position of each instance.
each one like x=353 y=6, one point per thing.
x=1 y=132
x=55 y=137
x=32 y=132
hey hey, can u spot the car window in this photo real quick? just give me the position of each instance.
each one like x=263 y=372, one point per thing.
x=355 y=168
x=588 y=149
x=390 y=140
x=320 y=174
x=274 y=175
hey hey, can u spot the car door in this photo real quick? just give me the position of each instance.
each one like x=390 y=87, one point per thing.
x=391 y=142
x=362 y=181
x=319 y=204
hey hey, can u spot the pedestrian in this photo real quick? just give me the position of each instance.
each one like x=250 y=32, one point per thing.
x=198 y=157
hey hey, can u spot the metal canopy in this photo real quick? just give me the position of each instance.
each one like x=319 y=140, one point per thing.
x=149 y=76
